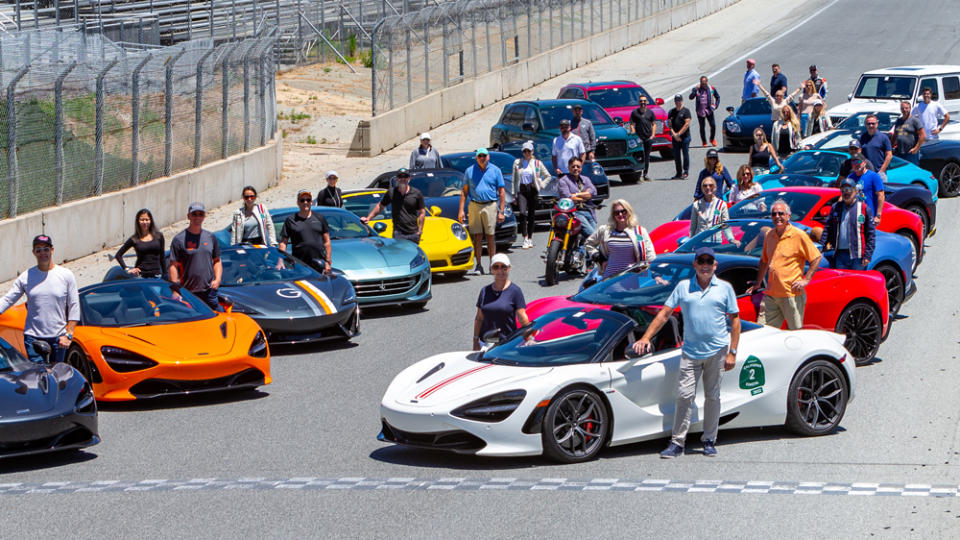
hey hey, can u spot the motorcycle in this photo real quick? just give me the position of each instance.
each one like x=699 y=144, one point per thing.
x=564 y=246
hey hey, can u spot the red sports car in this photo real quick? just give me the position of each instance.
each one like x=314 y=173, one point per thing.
x=808 y=205
x=846 y=302
x=619 y=99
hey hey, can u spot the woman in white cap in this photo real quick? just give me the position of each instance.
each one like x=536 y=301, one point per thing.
x=530 y=175
x=425 y=156
x=252 y=223
x=330 y=195
x=500 y=305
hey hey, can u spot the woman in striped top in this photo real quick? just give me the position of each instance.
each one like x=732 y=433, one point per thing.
x=710 y=211
x=621 y=242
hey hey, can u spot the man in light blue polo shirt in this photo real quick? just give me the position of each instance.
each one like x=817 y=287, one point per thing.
x=485 y=189
x=707 y=303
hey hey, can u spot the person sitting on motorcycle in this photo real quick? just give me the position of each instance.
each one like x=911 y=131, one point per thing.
x=581 y=190
x=621 y=242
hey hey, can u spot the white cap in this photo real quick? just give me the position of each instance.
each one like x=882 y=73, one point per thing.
x=332 y=173
x=424 y=135
x=500 y=258
x=527 y=146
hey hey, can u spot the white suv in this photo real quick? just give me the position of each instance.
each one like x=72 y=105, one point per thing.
x=884 y=89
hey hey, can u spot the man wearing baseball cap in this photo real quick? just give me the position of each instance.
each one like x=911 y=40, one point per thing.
x=309 y=234
x=407 y=208
x=708 y=305
x=53 y=304
x=846 y=167
x=331 y=195
x=679 y=120
x=425 y=156
x=850 y=229
x=195 y=258
x=486 y=191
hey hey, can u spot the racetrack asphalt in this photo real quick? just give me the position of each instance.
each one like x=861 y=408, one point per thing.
x=319 y=418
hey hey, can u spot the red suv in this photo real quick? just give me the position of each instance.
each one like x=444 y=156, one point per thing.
x=619 y=99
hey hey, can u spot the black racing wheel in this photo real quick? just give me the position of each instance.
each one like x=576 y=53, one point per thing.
x=575 y=426
x=817 y=398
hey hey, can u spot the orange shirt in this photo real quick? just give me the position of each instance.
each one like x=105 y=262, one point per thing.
x=787 y=255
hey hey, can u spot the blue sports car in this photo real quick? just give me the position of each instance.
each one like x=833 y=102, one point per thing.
x=383 y=271
x=737 y=128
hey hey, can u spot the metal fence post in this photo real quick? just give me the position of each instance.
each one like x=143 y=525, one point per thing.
x=135 y=110
x=503 y=42
x=98 y=157
x=373 y=61
x=446 y=54
x=426 y=57
x=246 y=96
x=225 y=99
x=12 y=179
x=262 y=84
x=198 y=120
x=473 y=40
x=299 y=32
x=58 y=129
x=168 y=112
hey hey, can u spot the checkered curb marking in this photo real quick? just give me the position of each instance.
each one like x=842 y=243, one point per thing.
x=478 y=484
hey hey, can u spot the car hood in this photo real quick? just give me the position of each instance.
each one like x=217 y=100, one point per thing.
x=771 y=181
x=665 y=236
x=623 y=113
x=304 y=298
x=452 y=379
x=36 y=390
x=373 y=256
x=207 y=338
x=865 y=105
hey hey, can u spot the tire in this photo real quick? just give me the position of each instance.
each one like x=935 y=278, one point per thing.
x=817 y=399
x=922 y=214
x=630 y=178
x=917 y=246
x=77 y=359
x=896 y=288
x=552 y=274
x=575 y=426
x=860 y=322
x=949 y=179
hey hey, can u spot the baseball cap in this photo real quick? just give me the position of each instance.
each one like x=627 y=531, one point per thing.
x=332 y=173
x=565 y=122
x=751 y=61
x=196 y=207
x=712 y=153
x=500 y=258
x=813 y=67
x=527 y=146
x=853 y=144
x=704 y=251
x=424 y=135
x=42 y=239
x=848 y=182
x=302 y=191
x=483 y=151
x=403 y=172
x=678 y=97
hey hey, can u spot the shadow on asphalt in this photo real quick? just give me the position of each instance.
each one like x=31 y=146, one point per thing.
x=45 y=461
x=185 y=401
x=310 y=348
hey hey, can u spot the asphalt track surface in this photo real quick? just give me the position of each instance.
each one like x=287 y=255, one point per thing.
x=300 y=458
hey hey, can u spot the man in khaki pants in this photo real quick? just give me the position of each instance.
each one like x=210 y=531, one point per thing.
x=785 y=251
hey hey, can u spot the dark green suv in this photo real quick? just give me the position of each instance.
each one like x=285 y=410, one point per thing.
x=618 y=151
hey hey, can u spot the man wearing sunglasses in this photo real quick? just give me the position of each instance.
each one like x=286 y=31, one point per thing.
x=876 y=146
x=708 y=305
x=786 y=249
x=308 y=233
x=195 y=258
x=850 y=230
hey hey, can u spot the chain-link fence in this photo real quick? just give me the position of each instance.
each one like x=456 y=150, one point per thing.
x=83 y=116
x=438 y=46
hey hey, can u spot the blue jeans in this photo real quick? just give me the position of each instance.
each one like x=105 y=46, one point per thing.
x=57 y=353
x=588 y=225
x=681 y=154
x=209 y=297
x=845 y=262
x=912 y=158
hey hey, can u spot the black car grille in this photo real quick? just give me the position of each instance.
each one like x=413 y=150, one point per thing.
x=835 y=120
x=611 y=148
x=76 y=437
x=461 y=258
x=151 y=388
x=457 y=440
x=603 y=191
x=613 y=164
x=381 y=287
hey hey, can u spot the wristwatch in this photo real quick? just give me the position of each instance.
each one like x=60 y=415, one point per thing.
x=733 y=352
x=69 y=335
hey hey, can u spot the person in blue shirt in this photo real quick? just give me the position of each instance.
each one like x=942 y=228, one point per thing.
x=777 y=81
x=708 y=305
x=871 y=187
x=749 y=87
x=581 y=190
x=485 y=189
x=875 y=144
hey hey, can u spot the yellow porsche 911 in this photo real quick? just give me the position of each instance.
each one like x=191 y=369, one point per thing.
x=445 y=241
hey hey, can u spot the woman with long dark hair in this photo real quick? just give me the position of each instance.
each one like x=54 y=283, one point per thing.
x=147 y=242
x=252 y=223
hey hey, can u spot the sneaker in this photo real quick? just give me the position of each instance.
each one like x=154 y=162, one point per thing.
x=478 y=269
x=672 y=451
x=647 y=179
x=676 y=176
x=684 y=177
x=713 y=142
x=704 y=144
x=709 y=449
x=527 y=244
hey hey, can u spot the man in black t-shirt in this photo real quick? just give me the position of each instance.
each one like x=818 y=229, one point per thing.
x=679 y=119
x=309 y=234
x=195 y=258
x=645 y=127
x=406 y=206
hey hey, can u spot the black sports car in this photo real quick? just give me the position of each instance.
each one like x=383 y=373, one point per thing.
x=43 y=407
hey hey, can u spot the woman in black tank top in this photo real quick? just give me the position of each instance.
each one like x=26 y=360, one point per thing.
x=761 y=151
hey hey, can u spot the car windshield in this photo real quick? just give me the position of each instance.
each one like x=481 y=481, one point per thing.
x=649 y=287
x=345 y=225
x=856 y=121
x=885 y=87
x=754 y=106
x=759 y=205
x=11 y=359
x=814 y=164
x=141 y=303
x=609 y=98
x=363 y=204
x=748 y=238
x=250 y=266
x=565 y=336
x=460 y=162
x=438 y=184
x=554 y=113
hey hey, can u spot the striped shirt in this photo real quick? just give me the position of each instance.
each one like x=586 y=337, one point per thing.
x=620 y=253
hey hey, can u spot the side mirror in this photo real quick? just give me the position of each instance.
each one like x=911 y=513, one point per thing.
x=380 y=226
x=849 y=97
x=682 y=240
x=491 y=336
x=659 y=101
x=730 y=110
x=43 y=349
x=618 y=121
x=226 y=304
x=435 y=211
x=527 y=126
x=774 y=169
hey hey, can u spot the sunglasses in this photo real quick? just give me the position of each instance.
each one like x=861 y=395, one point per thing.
x=705 y=260
x=249 y=197
x=871 y=123
x=621 y=212
x=306 y=199
x=499 y=267
x=197 y=214
x=778 y=213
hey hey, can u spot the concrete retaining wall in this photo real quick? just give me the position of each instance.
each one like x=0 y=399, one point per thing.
x=394 y=127
x=87 y=226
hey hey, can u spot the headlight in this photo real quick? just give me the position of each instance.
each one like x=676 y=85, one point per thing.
x=85 y=401
x=124 y=361
x=350 y=296
x=457 y=230
x=732 y=127
x=258 y=349
x=493 y=408
x=632 y=142
x=418 y=260
x=507 y=212
x=240 y=308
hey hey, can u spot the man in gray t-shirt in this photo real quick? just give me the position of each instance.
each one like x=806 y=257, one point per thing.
x=909 y=135
x=195 y=258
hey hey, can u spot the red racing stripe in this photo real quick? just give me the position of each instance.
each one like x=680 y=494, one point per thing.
x=445 y=382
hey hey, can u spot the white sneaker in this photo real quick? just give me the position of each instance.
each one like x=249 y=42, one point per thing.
x=526 y=244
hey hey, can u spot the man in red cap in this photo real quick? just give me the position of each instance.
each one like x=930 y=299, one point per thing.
x=53 y=304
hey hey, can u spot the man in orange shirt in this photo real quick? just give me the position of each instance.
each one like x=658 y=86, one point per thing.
x=785 y=251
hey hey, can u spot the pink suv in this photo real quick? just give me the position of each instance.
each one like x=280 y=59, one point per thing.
x=619 y=99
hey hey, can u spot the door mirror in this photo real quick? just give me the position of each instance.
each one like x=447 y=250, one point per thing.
x=659 y=101
x=435 y=211
x=528 y=126
x=491 y=336
x=682 y=240
x=774 y=169
x=380 y=226
x=43 y=349
x=730 y=110
x=849 y=97
x=618 y=121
